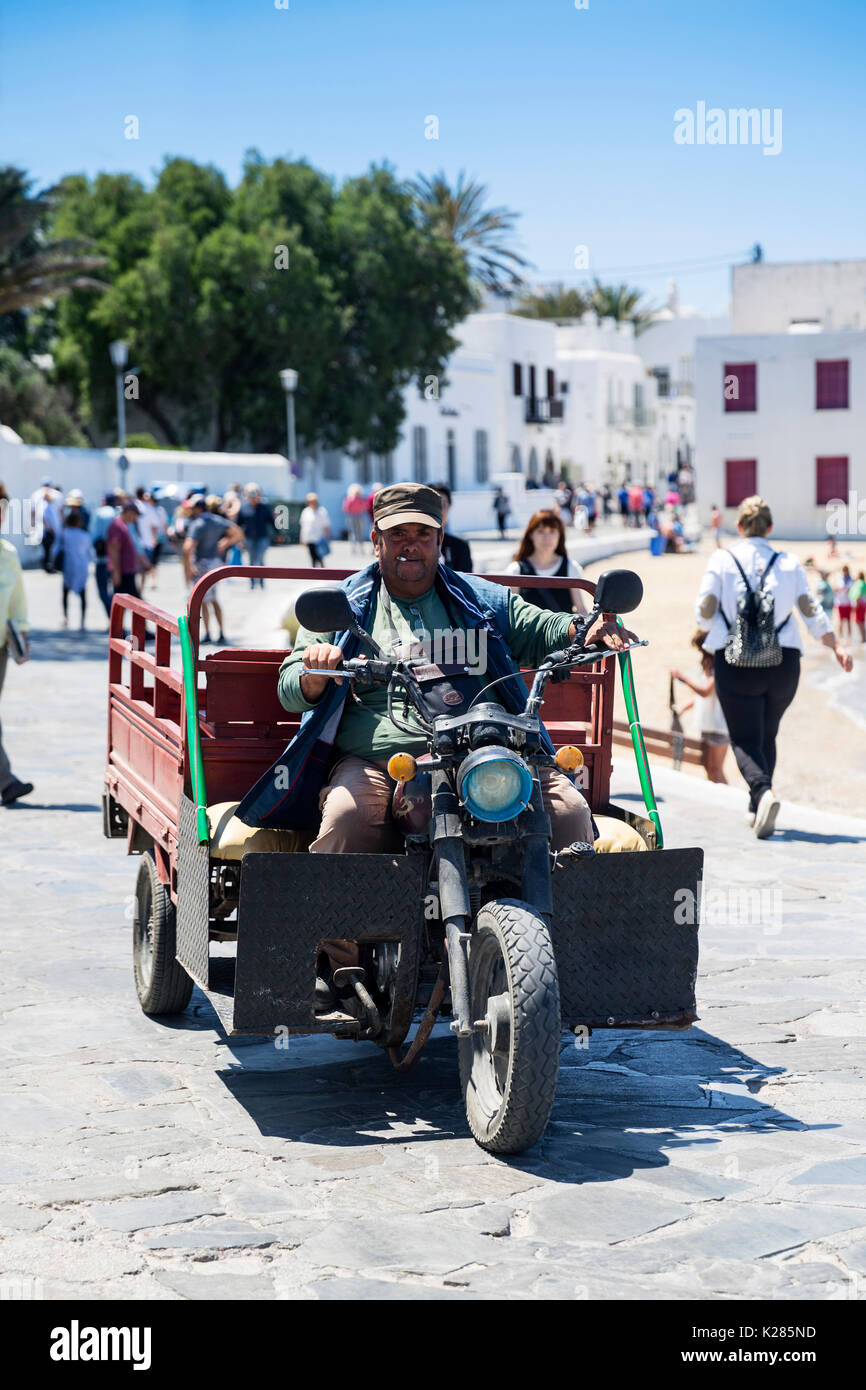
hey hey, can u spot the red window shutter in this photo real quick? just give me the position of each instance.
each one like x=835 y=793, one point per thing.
x=518 y=378
x=740 y=386
x=741 y=480
x=831 y=385
x=831 y=479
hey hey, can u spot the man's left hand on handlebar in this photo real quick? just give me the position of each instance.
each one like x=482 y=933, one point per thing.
x=607 y=633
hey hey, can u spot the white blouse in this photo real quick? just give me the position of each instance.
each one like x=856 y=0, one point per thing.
x=787 y=582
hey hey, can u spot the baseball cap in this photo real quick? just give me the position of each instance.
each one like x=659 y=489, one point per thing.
x=402 y=503
x=197 y=500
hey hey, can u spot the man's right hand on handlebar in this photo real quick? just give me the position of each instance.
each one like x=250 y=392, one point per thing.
x=323 y=656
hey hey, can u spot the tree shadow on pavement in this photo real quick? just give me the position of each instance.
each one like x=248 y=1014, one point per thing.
x=616 y=1111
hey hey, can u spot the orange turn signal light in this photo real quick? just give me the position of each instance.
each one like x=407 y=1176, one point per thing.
x=568 y=758
x=401 y=767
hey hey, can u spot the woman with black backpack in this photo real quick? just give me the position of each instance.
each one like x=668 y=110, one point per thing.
x=746 y=605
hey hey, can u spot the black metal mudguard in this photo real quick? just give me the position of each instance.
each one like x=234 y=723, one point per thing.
x=290 y=902
x=625 y=936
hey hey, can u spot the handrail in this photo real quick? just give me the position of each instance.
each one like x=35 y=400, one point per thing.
x=640 y=753
x=193 y=737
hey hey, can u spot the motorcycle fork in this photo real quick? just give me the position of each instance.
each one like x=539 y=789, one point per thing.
x=453 y=897
x=535 y=844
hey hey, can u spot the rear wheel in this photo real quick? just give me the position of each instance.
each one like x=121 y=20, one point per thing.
x=508 y=1072
x=162 y=986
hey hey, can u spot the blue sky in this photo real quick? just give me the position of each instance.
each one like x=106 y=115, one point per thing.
x=567 y=115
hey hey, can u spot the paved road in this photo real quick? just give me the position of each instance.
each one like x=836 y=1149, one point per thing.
x=163 y=1160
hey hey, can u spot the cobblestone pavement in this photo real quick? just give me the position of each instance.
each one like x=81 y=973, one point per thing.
x=161 y=1160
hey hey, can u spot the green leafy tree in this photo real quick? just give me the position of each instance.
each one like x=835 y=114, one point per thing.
x=559 y=303
x=32 y=405
x=459 y=215
x=35 y=267
x=226 y=288
x=622 y=303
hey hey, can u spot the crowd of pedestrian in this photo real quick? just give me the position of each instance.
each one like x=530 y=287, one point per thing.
x=125 y=537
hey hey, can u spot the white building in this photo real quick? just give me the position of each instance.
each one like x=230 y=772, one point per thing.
x=782 y=398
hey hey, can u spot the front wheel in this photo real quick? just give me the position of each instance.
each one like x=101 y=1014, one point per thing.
x=508 y=1071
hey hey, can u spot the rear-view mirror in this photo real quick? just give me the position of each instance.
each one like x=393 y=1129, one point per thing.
x=324 y=610
x=618 y=591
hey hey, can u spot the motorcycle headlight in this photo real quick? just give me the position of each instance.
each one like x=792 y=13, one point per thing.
x=495 y=784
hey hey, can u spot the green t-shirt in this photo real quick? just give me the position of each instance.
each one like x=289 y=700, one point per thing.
x=365 y=728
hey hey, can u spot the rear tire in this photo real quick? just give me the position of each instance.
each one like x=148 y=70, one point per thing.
x=508 y=1074
x=162 y=986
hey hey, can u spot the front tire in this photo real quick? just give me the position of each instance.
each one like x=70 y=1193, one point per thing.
x=508 y=1073
x=162 y=986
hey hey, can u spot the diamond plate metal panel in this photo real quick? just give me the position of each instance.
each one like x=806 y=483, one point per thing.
x=289 y=902
x=621 y=953
x=193 y=883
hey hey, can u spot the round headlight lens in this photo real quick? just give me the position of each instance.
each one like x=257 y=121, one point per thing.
x=496 y=788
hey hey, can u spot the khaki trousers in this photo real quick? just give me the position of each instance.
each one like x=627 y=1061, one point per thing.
x=356 y=817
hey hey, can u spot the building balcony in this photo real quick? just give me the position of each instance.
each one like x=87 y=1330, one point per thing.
x=541 y=410
x=629 y=417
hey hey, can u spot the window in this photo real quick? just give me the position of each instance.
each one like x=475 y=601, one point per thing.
x=517 y=375
x=516 y=464
x=532 y=383
x=831 y=385
x=481 y=467
x=551 y=383
x=741 y=480
x=419 y=454
x=451 y=459
x=386 y=469
x=364 y=473
x=332 y=465
x=532 y=463
x=831 y=479
x=663 y=378
x=740 y=387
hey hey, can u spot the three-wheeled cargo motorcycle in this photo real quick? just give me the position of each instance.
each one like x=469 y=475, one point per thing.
x=476 y=920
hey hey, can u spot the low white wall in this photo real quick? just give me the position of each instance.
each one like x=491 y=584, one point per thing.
x=95 y=472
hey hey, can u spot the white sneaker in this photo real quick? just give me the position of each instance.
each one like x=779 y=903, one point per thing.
x=765 y=816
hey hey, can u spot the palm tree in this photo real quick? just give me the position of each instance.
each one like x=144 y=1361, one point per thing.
x=459 y=215
x=557 y=302
x=622 y=303
x=32 y=268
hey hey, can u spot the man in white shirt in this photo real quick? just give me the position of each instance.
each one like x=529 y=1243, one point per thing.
x=754 y=698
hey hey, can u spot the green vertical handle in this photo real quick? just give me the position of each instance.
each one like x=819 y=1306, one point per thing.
x=640 y=753
x=193 y=738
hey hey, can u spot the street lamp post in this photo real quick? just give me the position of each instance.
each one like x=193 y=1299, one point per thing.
x=119 y=354
x=289 y=379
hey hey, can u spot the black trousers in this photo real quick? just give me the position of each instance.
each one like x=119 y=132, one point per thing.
x=753 y=701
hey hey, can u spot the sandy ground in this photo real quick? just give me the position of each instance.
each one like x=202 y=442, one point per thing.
x=822 y=742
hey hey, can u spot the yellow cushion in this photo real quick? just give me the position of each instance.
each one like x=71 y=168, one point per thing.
x=231 y=839
x=617 y=836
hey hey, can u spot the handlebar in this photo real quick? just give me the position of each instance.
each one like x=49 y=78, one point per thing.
x=371 y=672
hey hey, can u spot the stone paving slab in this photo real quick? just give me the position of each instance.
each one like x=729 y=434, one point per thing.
x=144 y=1159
